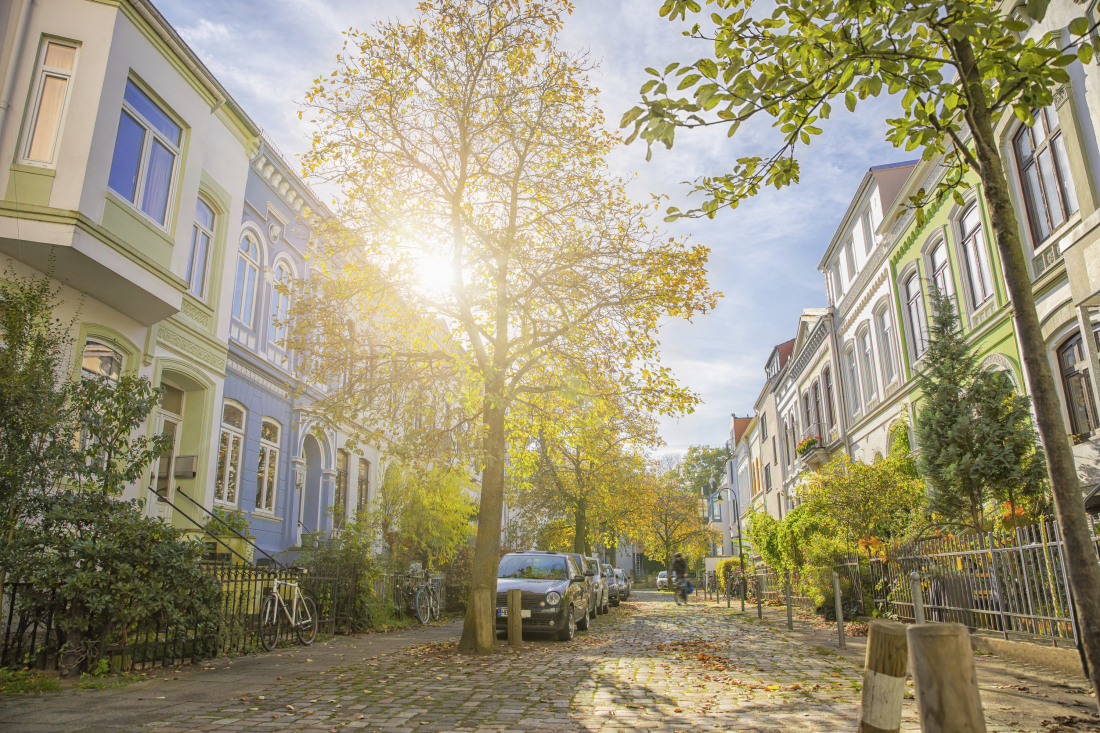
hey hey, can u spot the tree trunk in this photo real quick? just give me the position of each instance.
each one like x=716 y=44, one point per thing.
x=1081 y=564
x=483 y=571
x=73 y=656
x=580 y=525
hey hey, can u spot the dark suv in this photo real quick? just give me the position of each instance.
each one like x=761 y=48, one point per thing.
x=554 y=592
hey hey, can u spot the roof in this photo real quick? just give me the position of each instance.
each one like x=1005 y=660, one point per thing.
x=740 y=424
x=785 y=350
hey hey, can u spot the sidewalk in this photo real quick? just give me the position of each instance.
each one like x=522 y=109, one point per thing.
x=179 y=690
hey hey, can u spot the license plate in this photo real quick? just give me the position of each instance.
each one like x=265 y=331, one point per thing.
x=504 y=612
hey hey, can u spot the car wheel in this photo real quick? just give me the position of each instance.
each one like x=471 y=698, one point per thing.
x=594 y=611
x=583 y=623
x=570 y=629
x=606 y=606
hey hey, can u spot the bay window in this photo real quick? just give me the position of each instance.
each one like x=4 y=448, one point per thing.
x=147 y=147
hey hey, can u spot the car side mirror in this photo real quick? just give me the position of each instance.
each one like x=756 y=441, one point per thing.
x=578 y=578
x=589 y=573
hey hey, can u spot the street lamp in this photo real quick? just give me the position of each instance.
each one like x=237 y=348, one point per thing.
x=740 y=546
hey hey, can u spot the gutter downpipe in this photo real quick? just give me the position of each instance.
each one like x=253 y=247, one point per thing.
x=13 y=63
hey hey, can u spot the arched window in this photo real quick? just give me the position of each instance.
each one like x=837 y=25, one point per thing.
x=202 y=234
x=280 y=307
x=340 y=496
x=941 y=274
x=244 y=292
x=1041 y=161
x=100 y=360
x=977 y=257
x=886 y=344
x=830 y=412
x=816 y=389
x=364 y=486
x=1080 y=402
x=867 y=365
x=229 y=454
x=851 y=383
x=914 y=306
x=267 y=473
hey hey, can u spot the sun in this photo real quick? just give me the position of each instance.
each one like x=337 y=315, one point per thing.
x=433 y=274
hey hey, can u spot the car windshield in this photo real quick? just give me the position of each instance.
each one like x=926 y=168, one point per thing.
x=662 y=574
x=527 y=567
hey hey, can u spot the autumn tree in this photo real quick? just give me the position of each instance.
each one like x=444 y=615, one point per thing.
x=480 y=240
x=701 y=464
x=959 y=67
x=578 y=457
x=669 y=514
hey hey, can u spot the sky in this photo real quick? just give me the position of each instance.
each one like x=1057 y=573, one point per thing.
x=764 y=254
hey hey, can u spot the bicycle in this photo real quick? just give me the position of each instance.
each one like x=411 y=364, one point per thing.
x=301 y=615
x=418 y=597
x=434 y=599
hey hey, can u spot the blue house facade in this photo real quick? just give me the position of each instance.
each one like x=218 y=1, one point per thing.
x=291 y=480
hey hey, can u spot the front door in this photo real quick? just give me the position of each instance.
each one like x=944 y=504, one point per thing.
x=162 y=478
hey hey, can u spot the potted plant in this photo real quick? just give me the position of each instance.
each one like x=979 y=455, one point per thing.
x=807 y=445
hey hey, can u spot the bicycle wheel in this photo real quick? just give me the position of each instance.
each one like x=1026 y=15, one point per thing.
x=437 y=611
x=423 y=610
x=307 y=621
x=269 y=623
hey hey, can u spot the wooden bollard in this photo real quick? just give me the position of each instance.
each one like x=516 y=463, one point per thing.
x=918 y=597
x=883 y=678
x=787 y=588
x=838 y=607
x=945 y=683
x=515 y=617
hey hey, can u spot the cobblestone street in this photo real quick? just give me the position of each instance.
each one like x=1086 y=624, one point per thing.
x=650 y=664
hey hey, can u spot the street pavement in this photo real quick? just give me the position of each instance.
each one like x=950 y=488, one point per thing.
x=649 y=665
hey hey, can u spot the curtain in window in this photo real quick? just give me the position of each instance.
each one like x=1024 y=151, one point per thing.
x=158 y=181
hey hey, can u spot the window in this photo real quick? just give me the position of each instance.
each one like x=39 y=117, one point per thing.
x=854 y=405
x=763 y=427
x=941 y=276
x=830 y=413
x=146 y=150
x=244 y=291
x=914 y=307
x=100 y=360
x=364 y=485
x=867 y=365
x=340 y=495
x=838 y=283
x=868 y=232
x=807 y=416
x=51 y=92
x=229 y=454
x=1080 y=402
x=201 y=236
x=767 y=477
x=1049 y=196
x=977 y=257
x=280 y=306
x=850 y=260
x=267 y=473
x=816 y=391
x=886 y=344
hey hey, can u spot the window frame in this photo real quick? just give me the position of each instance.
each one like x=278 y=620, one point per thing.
x=280 y=306
x=850 y=259
x=866 y=351
x=243 y=259
x=34 y=103
x=868 y=232
x=362 y=486
x=151 y=134
x=1075 y=340
x=851 y=378
x=974 y=244
x=1065 y=185
x=227 y=432
x=198 y=229
x=830 y=408
x=918 y=330
x=340 y=490
x=267 y=469
x=884 y=328
x=91 y=339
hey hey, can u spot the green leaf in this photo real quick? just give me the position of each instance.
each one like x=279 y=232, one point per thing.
x=631 y=116
x=648 y=86
x=1037 y=9
x=850 y=101
x=1079 y=26
x=689 y=81
x=708 y=68
x=1085 y=53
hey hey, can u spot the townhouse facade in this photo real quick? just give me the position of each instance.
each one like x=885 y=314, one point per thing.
x=168 y=221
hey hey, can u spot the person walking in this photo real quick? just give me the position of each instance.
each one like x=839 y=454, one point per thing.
x=679 y=578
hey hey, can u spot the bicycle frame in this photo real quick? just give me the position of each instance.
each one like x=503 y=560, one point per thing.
x=292 y=612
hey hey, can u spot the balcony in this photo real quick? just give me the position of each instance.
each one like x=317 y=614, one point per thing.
x=811 y=448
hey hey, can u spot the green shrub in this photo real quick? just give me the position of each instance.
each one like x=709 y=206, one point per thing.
x=106 y=571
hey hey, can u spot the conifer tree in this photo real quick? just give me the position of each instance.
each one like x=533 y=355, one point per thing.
x=975 y=433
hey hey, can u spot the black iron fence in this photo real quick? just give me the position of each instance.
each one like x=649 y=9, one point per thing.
x=36 y=640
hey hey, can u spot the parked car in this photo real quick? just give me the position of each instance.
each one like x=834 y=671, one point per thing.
x=553 y=586
x=624 y=584
x=662 y=580
x=591 y=584
x=612 y=584
x=603 y=601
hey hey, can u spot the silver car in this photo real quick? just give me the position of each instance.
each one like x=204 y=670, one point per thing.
x=603 y=596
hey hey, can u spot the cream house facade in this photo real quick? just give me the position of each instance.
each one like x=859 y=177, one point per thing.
x=124 y=172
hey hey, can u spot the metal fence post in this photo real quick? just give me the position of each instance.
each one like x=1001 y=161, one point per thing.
x=759 y=602
x=838 y=605
x=918 y=597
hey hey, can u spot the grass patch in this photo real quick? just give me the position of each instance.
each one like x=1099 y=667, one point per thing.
x=23 y=682
x=104 y=682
